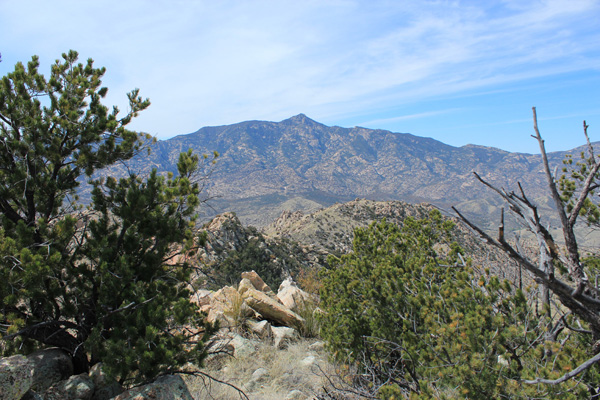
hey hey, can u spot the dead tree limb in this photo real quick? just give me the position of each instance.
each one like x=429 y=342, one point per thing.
x=568 y=375
x=578 y=296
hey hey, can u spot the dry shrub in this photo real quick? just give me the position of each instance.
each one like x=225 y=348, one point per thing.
x=309 y=281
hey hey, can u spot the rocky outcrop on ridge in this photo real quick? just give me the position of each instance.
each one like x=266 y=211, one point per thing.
x=252 y=307
x=331 y=231
x=231 y=248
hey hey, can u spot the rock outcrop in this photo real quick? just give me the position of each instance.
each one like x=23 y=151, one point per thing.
x=49 y=366
x=168 y=387
x=255 y=310
x=271 y=309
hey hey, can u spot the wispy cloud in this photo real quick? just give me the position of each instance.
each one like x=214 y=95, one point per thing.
x=377 y=122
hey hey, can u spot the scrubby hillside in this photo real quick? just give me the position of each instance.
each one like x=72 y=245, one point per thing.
x=330 y=231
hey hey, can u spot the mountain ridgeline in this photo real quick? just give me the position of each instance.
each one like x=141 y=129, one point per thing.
x=265 y=168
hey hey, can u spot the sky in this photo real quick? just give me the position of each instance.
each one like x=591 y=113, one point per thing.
x=461 y=72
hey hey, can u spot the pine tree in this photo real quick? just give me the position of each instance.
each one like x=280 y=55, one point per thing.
x=101 y=283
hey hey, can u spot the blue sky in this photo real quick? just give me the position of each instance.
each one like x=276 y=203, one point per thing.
x=458 y=71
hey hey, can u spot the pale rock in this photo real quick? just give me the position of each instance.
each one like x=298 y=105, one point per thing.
x=221 y=303
x=242 y=347
x=283 y=334
x=168 y=387
x=262 y=329
x=227 y=344
x=15 y=377
x=271 y=309
x=223 y=297
x=292 y=296
x=218 y=350
x=308 y=361
x=217 y=316
x=257 y=281
x=260 y=375
x=244 y=285
x=295 y=395
x=202 y=297
x=257 y=376
x=317 y=346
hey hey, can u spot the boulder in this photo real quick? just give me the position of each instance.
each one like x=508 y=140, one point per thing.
x=77 y=387
x=317 y=346
x=15 y=377
x=221 y=304
x=282 y=335
x=258 y=376
x=218 y=351
x=168 y=387
x=271 y=309
x=292 y=296
x=227 y=344
x=242 y=347
x=244 y=285
x=49 y=366
x=220 y=317
x=308 y=361
x=257 y=281
x=262 y=329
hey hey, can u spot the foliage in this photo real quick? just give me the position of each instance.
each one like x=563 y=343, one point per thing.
x=308 y=279
x=271 y=260
x=104 y=284
x=572 y=182
x=418 y=323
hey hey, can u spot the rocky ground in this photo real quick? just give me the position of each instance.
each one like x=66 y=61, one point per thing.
x=265 y=372
x=261 y=352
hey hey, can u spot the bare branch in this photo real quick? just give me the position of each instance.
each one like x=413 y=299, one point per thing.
x=568 y=375
x=574 y=265
x=240 y=392
x=584 y=306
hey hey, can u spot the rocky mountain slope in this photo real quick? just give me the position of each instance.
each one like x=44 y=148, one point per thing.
x=265 y=168
x=299 y=242
x=330 y=231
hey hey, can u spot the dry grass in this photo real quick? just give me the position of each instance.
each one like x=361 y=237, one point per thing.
x=284 y=370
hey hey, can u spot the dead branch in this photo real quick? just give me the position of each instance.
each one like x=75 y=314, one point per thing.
x=584 y=306
x=577 y=300
x=241 y=393
x=574 y=265
x=568 y=375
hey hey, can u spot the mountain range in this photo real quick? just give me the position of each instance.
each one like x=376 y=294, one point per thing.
x=265 y=168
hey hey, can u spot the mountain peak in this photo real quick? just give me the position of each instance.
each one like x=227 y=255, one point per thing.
x=300 y=119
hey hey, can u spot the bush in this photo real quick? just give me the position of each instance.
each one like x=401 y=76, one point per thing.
x=405 y=315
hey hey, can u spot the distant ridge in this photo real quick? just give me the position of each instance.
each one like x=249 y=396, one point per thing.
x=300 y=164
